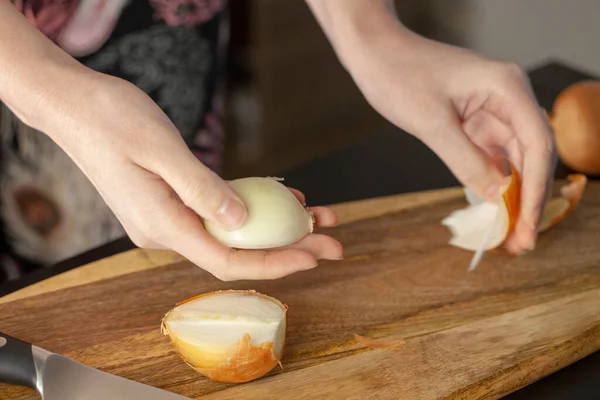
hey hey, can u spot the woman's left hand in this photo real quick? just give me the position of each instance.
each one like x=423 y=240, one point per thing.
x=468 y=109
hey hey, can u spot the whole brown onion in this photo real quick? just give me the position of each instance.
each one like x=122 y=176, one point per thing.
x=575 y=120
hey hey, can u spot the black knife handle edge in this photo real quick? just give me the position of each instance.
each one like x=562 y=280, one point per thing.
x=16 y=362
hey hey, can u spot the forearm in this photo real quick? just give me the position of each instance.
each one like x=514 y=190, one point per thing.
x=353 y=25
x=35 y=74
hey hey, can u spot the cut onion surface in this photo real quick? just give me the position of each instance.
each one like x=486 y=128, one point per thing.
x=229 y=336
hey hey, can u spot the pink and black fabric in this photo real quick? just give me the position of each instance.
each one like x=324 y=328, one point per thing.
x=171 y=49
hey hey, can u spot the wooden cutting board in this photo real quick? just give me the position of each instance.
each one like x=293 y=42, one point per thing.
x=467 y=335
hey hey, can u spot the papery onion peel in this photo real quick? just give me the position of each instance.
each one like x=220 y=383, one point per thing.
x=469 y=225
x=230 y=336
x=559 y=207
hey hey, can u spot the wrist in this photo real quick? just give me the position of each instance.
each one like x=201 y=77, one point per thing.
x=351 y=25
x=38 y=97
x=37 y=78
x=361 y=31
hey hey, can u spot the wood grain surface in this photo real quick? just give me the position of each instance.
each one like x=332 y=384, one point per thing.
x=472 y=335
x=142 y=259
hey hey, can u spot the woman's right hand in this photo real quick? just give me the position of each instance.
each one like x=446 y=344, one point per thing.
x=136 y=158
x=156 y=187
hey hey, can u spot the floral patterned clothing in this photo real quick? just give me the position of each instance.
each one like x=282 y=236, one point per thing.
x=171 y=49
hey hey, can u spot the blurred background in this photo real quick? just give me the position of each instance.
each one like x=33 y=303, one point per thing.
x=290 y=100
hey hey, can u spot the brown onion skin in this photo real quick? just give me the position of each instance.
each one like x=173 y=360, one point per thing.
x=575 y=120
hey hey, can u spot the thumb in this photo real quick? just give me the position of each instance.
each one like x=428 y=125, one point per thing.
x=470 y=164
x=202 y=190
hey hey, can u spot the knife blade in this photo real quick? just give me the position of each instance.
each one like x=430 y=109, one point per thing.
x=58 y=377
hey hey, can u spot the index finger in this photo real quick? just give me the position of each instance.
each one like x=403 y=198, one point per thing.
x=539 y=159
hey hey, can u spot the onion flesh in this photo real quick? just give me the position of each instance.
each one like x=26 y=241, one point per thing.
x=276 y=218
x=229 y=336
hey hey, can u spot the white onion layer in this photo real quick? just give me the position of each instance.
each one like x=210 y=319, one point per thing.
x=275 y=216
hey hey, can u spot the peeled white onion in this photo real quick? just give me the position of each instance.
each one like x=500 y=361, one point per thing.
x=275 y=216
x=229 y=336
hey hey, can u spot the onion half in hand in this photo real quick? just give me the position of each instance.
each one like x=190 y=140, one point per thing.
x=229 y=336
x=495 y=220
x=276 y=218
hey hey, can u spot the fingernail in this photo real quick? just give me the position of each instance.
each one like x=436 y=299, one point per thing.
x=523 y=253
x=527 y=250
x=533 y=231
x=232 y=213
x=311 y=267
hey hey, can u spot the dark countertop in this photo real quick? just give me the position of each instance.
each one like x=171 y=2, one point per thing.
x=389 y=163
